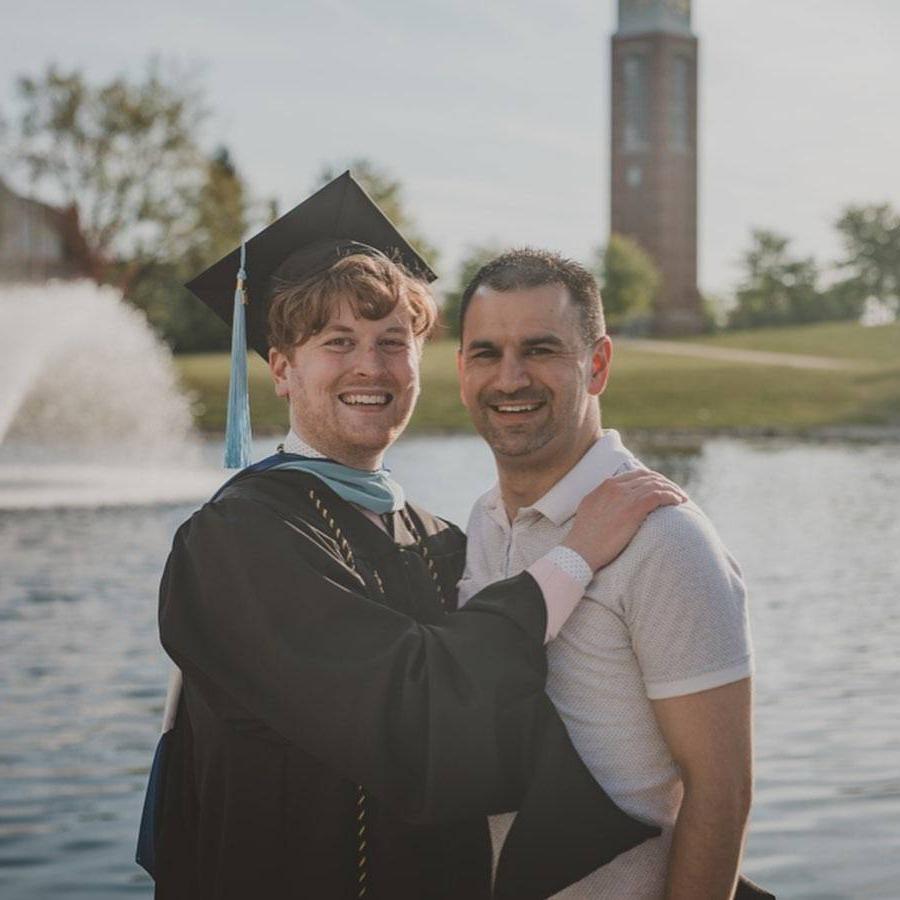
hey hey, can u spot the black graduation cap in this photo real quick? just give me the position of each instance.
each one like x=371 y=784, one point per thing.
x=325 y=226
x=337 y=220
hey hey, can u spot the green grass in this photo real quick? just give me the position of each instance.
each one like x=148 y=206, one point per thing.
x=657 y=391
x=840 y=339
x=648 y=390
x=205 y=377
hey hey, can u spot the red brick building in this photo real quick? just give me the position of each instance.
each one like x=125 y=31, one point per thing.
x=654 y=149
x=39 y=242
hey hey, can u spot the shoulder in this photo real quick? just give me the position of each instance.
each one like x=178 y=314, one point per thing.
x=273 y=488
x=263 y=508
x=685 y=605
x=678 y=533
x=245 y=539
x=678 y=561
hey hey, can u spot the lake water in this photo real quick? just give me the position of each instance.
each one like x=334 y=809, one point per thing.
x=82 y=677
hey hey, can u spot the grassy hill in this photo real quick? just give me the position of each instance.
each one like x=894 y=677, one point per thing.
x=652 y=391
x=841 y=339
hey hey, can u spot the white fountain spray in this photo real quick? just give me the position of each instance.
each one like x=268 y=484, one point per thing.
x=90 y=408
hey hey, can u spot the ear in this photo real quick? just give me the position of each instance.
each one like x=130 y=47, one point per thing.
x=601 y=359
x=278 y=366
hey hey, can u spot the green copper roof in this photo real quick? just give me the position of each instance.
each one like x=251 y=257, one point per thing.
x=644 y=16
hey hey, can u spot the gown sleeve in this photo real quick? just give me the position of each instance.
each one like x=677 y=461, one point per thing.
x=423 y=715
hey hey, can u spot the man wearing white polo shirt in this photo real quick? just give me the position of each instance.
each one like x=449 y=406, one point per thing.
x=651 y=674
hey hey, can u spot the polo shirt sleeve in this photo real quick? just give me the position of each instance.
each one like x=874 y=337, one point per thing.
x=687 y=611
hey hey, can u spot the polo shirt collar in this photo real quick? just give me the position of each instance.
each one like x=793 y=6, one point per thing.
x=493 y=506
x=602 y=461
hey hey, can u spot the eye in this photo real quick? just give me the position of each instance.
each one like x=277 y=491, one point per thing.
x=339 y=342
x=394 y=343
x=538 y=351
x=482 y=354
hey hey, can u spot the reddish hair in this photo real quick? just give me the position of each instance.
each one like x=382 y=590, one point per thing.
x=371 y=285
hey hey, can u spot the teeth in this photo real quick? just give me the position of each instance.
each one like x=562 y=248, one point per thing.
x=521 y=408
x=365 y=399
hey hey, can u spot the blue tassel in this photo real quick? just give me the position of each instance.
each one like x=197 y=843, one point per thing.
x=238 y=438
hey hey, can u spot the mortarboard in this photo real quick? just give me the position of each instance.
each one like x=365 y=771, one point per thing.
x=338 y=219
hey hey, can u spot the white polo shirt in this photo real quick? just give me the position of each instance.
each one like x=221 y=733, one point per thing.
x=668 y=617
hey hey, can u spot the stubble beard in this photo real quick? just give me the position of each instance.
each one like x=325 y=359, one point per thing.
x=362 y=441
x=515 y=442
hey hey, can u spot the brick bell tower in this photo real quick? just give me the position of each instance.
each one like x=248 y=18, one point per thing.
x=654 y=150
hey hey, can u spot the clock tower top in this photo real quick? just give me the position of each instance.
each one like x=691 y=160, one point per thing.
x=646 y=16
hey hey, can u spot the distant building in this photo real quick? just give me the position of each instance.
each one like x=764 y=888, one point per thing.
x=654 y=149
x=38 y=242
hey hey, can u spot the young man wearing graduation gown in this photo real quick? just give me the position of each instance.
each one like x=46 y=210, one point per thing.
x=339 y=733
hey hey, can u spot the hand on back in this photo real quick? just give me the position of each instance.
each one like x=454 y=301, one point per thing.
x=610 y=515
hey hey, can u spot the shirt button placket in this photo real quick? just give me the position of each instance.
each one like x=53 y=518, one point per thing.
x=513 y=554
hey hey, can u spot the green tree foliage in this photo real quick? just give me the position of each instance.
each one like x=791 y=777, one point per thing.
x=629 y=282
x=214 y=226
x=476 y=256
x=777 y=289
x=871 y=240
x=123 y=154
x=219 y=219
x=153 y=207
x=714 y=310
x=387 y=192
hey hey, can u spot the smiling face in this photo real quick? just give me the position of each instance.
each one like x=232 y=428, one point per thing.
x=527 y=376
x=353 y=385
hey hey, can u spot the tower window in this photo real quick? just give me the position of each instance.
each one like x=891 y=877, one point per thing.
x=679 y=106
x=635 y=135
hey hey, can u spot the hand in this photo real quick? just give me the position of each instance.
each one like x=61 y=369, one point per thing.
x=609 y=516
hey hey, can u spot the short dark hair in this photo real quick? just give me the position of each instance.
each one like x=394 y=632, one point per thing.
x=526 y=267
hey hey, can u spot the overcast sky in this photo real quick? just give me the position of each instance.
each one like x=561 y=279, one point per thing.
x=495 y=114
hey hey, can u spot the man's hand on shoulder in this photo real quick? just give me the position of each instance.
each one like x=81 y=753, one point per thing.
x=610 y=515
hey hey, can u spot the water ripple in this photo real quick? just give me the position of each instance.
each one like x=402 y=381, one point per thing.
x=815 y=529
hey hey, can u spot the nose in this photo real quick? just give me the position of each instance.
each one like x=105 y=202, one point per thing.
x=368 y=361
x=512 y=375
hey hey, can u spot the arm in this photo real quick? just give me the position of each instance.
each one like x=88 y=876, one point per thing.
x=686 y=611
x=709 y=736
x=271 y=627
x=442 y=722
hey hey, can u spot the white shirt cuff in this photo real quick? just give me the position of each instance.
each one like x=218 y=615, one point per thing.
x=561 y=589
x=572 y=563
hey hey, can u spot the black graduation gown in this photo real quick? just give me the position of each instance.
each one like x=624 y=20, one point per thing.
x=305 y=677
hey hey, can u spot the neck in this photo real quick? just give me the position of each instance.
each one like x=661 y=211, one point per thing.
x=354 y=457
x=523 y=481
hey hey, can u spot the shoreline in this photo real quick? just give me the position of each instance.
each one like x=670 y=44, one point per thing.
x=675 y=437
x=707 y=390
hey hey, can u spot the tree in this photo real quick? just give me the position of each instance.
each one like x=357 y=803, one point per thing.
x=629 y=281
x=476 y=257
x=122 y=154
x=777 y=289
x=153 y=208
x=214 y=226
x=387 y=192
x=220 y=218
x=871 y=239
